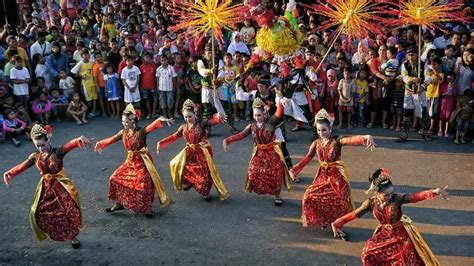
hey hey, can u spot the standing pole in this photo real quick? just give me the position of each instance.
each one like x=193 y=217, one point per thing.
x=328 y=51
x=5 y=10
x=419 y=57
x=213 y=66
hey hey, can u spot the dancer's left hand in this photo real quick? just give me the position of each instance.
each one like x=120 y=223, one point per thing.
x=168 y=121
x=370 y=143
x=84 y=142
x=222 y=117
x=442 y=192
x=225 y=145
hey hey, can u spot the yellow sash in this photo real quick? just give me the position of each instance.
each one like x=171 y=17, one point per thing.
x=155 y=177
x=177 y=169
x=342 y=169
x=67 y=184
x=277 y=148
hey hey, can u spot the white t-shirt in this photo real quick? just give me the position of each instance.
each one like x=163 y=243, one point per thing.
x=41 y=70
x=42 y=49
x=130 y=75
x=20 y=74
x=67 y=85
x=165 y=76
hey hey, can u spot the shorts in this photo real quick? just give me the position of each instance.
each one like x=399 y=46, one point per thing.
x=462 y=125
x=385 y=103
x=101 y=92
x=397 y=110
x=445 y=114
x=90 y=93
x=433 y=106
x=145 y=94
x=23 y=99
x=166 y=99
x=345 y=109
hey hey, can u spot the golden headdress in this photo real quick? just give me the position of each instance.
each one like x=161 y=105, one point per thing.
x=323 y=115
x=38 y=130
x=131 y=112
x=258 y=103
x=188 y=105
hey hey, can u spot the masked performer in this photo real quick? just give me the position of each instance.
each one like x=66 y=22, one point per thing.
x=194 y=165
x=133 y=184
x=56 y=212
x=329 y=196
x=396 y=241
x=267 y=170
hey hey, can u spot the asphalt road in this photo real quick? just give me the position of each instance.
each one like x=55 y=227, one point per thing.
x=247 y=228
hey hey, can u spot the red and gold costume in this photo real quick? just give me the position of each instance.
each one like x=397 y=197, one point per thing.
x=267 y=169
x=396 y=241
x=194 y=165
x=56 y=212
x=329 y=196
x=133 y=184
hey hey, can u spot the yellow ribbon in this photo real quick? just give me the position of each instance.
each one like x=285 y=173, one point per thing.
x=155 y=177
x=179 y=161
x=277 y=148
x=421 y=246
x=342 y=169
x=67 y=184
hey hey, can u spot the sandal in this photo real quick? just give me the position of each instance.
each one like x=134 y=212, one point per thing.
x=208 y=199
x=187 y=187
x=76 y=244
x=296 y=180
x=278 y=202
x=148 y=215
x=116 y=207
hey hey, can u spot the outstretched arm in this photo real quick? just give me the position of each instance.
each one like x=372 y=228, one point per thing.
x=366 y=140
x=214 y=120
x=10 y=174
x=79 y=142
x=296 y=169
x=170 y=139
x=424 y=195
x=158 y=124
x=341 y=221
x=102 y=144
x=236 y=137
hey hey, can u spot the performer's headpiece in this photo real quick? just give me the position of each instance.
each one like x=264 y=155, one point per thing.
x=39 y=130
x=258 y=103
x=379 y=180
x=323 y=115
x=131 y=112
x=188 y=105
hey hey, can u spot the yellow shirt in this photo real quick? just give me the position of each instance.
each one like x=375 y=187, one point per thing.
x=111 y=30
x=21 y=53
x=432 y=90
x=362 y=87
x=85 y=70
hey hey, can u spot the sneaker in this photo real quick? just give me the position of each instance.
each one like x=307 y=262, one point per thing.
x=456 y=141
x=440 y=134
x=148 y=116
x=369 y=125
x=463 y=141
x=446 y=135
x=385 y=126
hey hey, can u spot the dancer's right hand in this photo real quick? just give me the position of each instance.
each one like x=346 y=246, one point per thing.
x=337 y=231
x=7 y=179
x=295 y=177
x=225 y=145
x=98 y=148
x=158 y=148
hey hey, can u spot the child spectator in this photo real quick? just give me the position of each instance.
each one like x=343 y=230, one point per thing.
x=66 y=84
x=398 y=94
x=40 y=86
x=179 y=68
x=60 y=104
x=346 y=89
x=433 y=81
x=13 y=127
x=84 y=70
x=41 y=70
x=447 y=92
x=98 y=75
x=77 y=109
x=148 y=91
x=22 y=114
x=20 y=76
x=41 y=107
x=449 y=62
x=464 y=115
x=332 y=96
x=166 y=80
x=362 y=90
x=131 y=79
x=112 y=90
x=250 y=84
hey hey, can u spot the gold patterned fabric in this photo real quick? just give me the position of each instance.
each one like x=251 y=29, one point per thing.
x=421 y=246
x=342 y=169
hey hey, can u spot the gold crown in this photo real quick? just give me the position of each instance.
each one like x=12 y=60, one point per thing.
x=38 y=130
x=129 y=109
x=258 y=103
x=188 y=104
x=322 y=114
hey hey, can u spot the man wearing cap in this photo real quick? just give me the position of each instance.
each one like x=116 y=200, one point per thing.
x=414 y=101
x=41 y=46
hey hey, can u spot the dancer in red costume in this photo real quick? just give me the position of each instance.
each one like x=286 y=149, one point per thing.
x=267 y=169
x=56 y=212
x=194 y=165
x=329 y=196
x=396 y=241
x=132 y=185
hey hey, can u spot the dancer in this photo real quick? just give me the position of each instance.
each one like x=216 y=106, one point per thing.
x=56 y=212
x=396 y=241
x=133 y=183
x=329 y=196
x=194 y=165
x=267 y=169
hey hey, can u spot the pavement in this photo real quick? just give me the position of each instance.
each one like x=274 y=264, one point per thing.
x=246 y=228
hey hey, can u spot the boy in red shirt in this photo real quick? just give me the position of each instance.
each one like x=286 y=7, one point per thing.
x=99 y=81
x=148 y=86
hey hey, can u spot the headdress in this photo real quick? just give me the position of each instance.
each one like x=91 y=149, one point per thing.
x=258 y=103
x=323 y=115
x=131 y=112
x=38 y=130
x=189 y=105
x=382 y=179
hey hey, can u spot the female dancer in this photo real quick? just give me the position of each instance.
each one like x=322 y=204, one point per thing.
x=396 y=241
x=329 y=196
x=133 y=183
x=194 y=166
x=56 y=212
x=267 y=169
